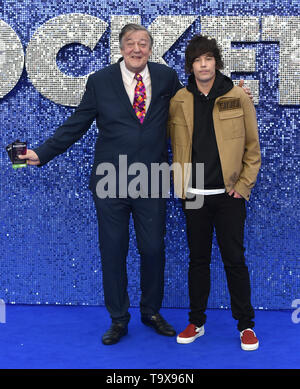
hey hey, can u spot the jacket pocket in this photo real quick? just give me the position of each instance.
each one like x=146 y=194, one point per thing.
x=232 y=123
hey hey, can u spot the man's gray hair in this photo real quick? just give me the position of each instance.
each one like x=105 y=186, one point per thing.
x=134 y=27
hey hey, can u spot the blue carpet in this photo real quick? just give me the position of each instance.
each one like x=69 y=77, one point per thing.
x=69 y=337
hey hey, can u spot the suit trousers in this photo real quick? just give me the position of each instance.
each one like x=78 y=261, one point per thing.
x=113 y=225
x=227 y=215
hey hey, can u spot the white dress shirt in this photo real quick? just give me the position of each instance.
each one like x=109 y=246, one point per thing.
x=130 y=82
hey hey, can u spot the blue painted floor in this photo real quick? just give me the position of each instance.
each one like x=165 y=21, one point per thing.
x=69 y=337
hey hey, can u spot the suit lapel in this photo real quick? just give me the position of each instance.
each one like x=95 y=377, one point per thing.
x=119 y=88
x=155 y=82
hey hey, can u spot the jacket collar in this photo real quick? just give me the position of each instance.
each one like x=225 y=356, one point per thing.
x=186 y=99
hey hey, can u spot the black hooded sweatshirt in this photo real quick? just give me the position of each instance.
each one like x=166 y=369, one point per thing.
x=204 y=148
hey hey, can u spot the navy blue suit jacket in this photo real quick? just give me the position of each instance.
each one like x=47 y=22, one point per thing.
x=120 y=132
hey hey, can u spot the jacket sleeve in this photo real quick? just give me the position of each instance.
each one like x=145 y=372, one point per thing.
x=252 y=156
x=72 y=129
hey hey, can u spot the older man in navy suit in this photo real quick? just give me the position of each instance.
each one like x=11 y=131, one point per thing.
x=130 y=102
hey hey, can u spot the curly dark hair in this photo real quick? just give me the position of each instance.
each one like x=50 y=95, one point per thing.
x=198 y=46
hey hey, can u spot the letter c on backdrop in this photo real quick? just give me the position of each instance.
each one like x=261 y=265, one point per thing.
x=44 y=46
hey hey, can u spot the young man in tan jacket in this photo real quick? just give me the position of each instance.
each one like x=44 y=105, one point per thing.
x=212 y=122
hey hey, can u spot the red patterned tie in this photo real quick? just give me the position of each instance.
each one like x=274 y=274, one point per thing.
x=139 y=102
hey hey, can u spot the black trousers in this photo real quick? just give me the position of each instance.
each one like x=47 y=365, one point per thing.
x=227 y=215
x=113 y=225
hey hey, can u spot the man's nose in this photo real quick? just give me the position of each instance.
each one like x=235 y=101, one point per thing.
x=136 y=47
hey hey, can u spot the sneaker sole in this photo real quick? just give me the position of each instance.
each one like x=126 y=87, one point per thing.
x=249 y=347
x=190 y=340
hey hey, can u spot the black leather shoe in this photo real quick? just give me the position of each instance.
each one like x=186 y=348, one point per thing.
x=114 y=334
x=159 y=324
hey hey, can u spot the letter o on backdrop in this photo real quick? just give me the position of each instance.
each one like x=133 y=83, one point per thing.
x=11 y=58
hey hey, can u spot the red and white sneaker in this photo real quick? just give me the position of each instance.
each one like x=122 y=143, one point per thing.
x=190 y=334
x=249 y=341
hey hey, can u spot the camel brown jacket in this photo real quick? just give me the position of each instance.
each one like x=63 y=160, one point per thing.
x=235 y=126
